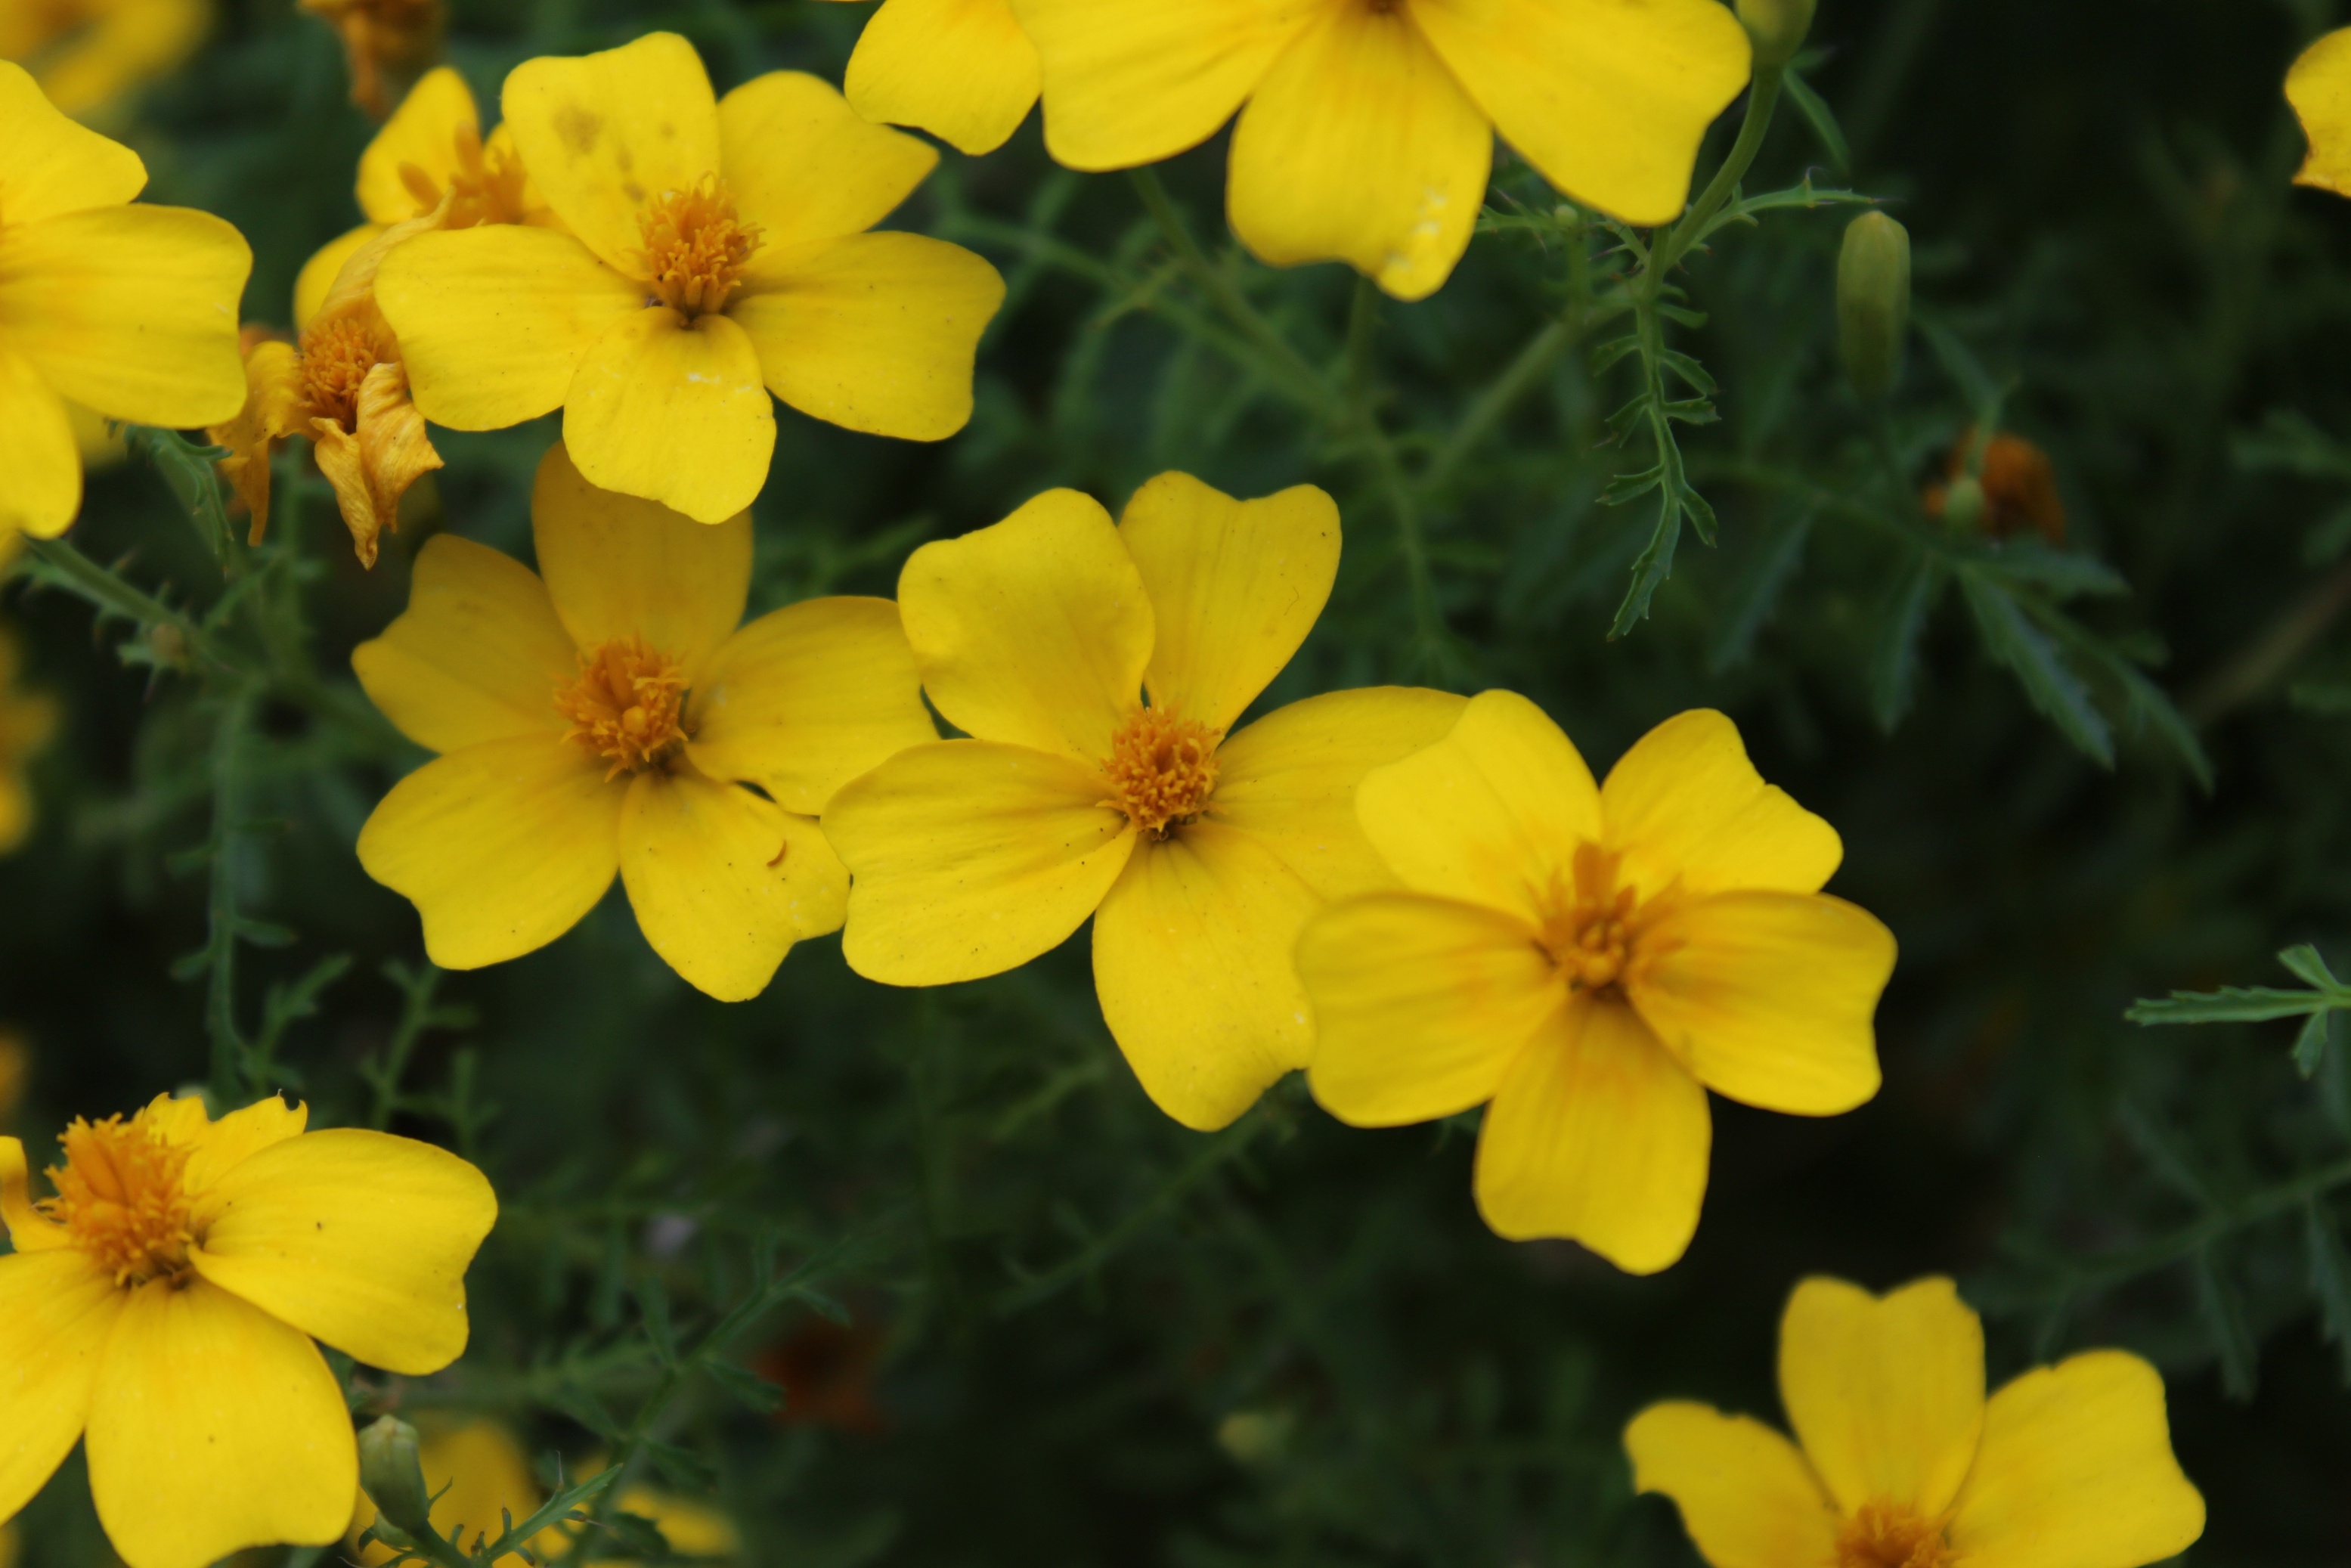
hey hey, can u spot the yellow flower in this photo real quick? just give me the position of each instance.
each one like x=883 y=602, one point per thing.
x=1591 y=959
x=1904 y=1464
x=2319 y=88
x=1369 y=130
x=28 y=722
x=86 y=54
x=161 y=1309
x=380 y=36
x=596 y=722
x=127 y=310
x=961 y=70
x=1198 y=856
x=721 y=255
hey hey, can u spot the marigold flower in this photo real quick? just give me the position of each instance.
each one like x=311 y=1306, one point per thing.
x=381 y=37
x=161 y=1309
x=2319 y=89
x=600 y=721
x=1199 y=855
x=961 y=70
x=720 y=256
x=89 y=53
x=1590 y=960
x=130 y=311
x=28 y=722
x=1368 y=131
x=1904 y=1464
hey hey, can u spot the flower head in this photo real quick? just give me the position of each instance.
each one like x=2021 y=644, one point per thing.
x=606 y=718
x=160 y=1307
x=88 y=55
x=1586 y=961
x=961 y=70
x=716 y=253
x=381 y=37
x=1197 y=850
x=1904 y=1463
x=28 y=721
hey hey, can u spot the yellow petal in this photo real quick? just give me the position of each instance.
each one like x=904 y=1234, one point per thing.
x=1235 y=587
x=29 y=1229
x=961 y=70
x=873 y=332
x=603 y=134
x=221 y=1146
x=36 y=452
x=1744 y=1493
x=127 y=44
x=1608 y=100
x=214 y=1426
x=674 y=411
x=619 y=567
x=59 y=1308
x=1685 y=804
x=55 y=166
x=1360 y=147
x=1886 y=1394
x=1137 y=82
x=1035 y=630
x=130 y=311
x=803 y=166
x=2319 y=88
x=371 y=468
x=806 y=698
x=1420 y=1005
x=100 y=443
x=359 y=1238
x=724 y=883
x=478 y=656
x=494 y=321
x=970 y=859
x=1290 y=778
x=317 y=278
x=1492 y=813
x=1192 y=965
x=422 y=131
x=1769 y=996
x=502 y=846
x=1597 y=1134
x=2076 y=1471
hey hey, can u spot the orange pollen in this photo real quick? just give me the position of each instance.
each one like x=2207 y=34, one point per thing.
x=1162 y=769
x=696 y=248
x=1887 y=1535
x=485 y=187
x=337 y=355
x=1591 y=930
x=122 y=1196
x=628 y=705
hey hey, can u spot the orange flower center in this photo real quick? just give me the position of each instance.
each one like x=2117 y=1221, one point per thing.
x=1887 y=1535
x=485 y=187
x=696 y=248
x=122 y=1196
x=1591 y=928
x=1162 y=769
x=628 y=705
x=337 y=356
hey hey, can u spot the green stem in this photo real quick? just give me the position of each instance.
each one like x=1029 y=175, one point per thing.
x=1666 y=253
x=1535 y=361
x=109 y=592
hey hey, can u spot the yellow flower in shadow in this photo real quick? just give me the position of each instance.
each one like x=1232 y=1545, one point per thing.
x=28 y=722
x=88 y=55
x=961 y=70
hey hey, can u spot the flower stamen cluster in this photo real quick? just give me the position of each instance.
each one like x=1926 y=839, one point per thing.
x=628 y=705
x=337 y=353
x=696 y=248
x=1591 y=930
x=1162 y=769
x=1887 y=1535
x=123 y=1197
x=485 y=186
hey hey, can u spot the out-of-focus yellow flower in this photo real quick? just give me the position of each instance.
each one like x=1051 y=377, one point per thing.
x=1586 y=961
x=15 y=1072
x=1199 y=855
x=88 y=54
x=961 y=70
x=1904 y=1464
x=380 y=39
x=598 y=721
x=28 y=722
x=1368 y=132
x=127 y=309
x=160 y=1310
x=2319 y=88
x=721 y=255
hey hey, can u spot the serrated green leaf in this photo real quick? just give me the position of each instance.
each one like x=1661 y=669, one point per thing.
x=2230 y=1004
x=2305 y=963
x=1682 y=316
x=2330 y=1278
x=1690 y=371
x=1821 y=117
x=1734 y=644
x=2310 y=1045
x=1609 y=355
x=1894 y=664
x=745 y=1384
x=1700 y=510
x=2062 y=572
x=2014 y=641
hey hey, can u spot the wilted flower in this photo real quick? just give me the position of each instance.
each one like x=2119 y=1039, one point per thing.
x=380 y=39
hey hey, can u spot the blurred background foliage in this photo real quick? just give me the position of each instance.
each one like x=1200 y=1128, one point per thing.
x=981 y=1303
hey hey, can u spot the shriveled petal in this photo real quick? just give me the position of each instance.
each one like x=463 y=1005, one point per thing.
x=55 y=167
x=273 y=411
x=36 y=452
x=1360 y=147
x=494 y=321
x=803 y=166
x=317 y=278
x=1421 y=1005
x=1137 y=82
x=130 y=311
x=961 y=70
x=372 y=468
x=1744 y=1493
x=478 y=656
x=1685 y=805
x=1235 y=587
x=1034 y=631
x=215 y=1426
x=59 y=1308
x=423 y=133
x=1769 y=996
x=1192 y=965
x=673 y=411
x=1608 y=100
x=1290 y=778
x=724 y=883
x=2076 y=1471
x=971 y=858
x=502 y=846
x=616 y=566
x=1886 y=1394
x=874 y=332
x=1597 y=1135
x=603 y=134
x=1492 y=813
x=806 y=698
x=2319 y=88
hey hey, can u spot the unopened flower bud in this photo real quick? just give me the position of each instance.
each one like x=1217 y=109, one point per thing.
x=168 y=645
x=1777 y=27
x=1873 y=296
x=1962 y=505
x=392 y=1476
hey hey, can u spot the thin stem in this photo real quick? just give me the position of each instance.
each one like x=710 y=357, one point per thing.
x=1536 y=360
x=1670 y=248
x=109 y=592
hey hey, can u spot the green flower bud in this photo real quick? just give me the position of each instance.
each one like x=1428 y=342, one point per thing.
x=391 y=1476
x=1963 y=505
x=1873 y=298
x=1777 y=27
